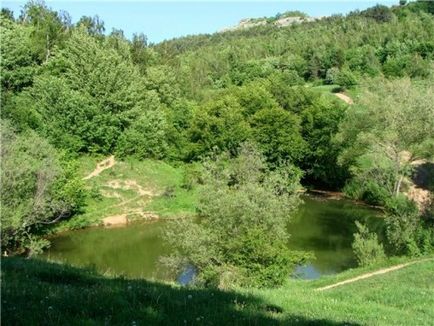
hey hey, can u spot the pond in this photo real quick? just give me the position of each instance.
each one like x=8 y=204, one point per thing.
x=322 y=226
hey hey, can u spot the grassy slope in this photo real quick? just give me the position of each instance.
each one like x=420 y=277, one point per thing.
x=40 y=293
x=163 y=180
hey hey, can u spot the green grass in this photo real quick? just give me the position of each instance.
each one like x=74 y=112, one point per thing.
x=354 y=92
x=41 y=293
x=164 y=182
x=325 y=88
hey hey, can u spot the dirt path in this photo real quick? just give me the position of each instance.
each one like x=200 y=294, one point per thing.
x=101 y=166
x=345 y=98
x=367 y=275
x=129 y=213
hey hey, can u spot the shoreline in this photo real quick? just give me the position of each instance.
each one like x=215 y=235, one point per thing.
x=337 y=195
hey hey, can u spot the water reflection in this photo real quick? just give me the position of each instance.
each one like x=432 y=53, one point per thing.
x=324 y=227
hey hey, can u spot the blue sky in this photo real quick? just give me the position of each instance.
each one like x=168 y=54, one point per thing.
x=161 y=20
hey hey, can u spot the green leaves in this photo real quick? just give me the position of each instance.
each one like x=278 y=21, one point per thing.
x=146 y=137
x=392 y=127
x=278 y=134
x=36 y=187
x=240 y=237
x=366 y=246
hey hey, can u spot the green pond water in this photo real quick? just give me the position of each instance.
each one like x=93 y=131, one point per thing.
x=322 y=226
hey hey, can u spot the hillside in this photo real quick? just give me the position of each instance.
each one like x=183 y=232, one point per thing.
x=60 y=293
x=211 y=140
x=280 y=20
x=123 y=191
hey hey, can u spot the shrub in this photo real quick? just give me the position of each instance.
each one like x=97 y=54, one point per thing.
x=408 y=234
x=35 y=245
x=192 y=176
x=38 y=187
x=374 y=193
x=366 y=247
x=368 y=191
x=399 y=205
x=241 y=236
x=346 y=78
x=332 y=76
x=146 y=138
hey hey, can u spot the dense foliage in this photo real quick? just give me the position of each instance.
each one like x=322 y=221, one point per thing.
x=90 y=92
x=241 y=235
x=38 y=187
x=71 y=89
x=385 y=134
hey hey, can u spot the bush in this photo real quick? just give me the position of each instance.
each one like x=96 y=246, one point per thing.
x=346 y=78
x=38 y=187
x=368 y=191
x=192 y=176
x=146 y=138
x=399 y=205
x=408 y=234
x=332 y=76
x=366 y=247
x=374 y=193
x=241 y=236
x=35 y=245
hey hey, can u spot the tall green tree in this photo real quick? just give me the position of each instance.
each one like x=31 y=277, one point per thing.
x=218 y=125
x=88 y=95
x=49 y=28
x=278 y=134
x=392 y=127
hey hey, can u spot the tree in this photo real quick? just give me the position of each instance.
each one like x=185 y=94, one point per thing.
x=37 y=188
x=253 y=97
x=379 y=13
x=241 y=236
x=49 y=28
x=146 y=137
x=346 y=78
x=7 y=14
x=218 y=125
x=141 y=55
x=319 y=125
x=18 y=61
x=392 y=127
x=93 y=25
x=85 y=103
x=278 y=135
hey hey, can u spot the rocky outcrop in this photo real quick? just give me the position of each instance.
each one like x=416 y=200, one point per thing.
x=281 y=22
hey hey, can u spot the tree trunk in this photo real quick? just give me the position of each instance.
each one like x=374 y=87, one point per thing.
x=47 y=54
x=399 y=177
x=398 y=185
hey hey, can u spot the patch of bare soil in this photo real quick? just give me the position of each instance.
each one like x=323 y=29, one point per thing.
x=420 y=184
x=131 y=185
x=345 y=98
x=129 y=213
x=421 y=197
x=101 y=166
x=110 y=194
x=115 y=220
x=367 y=275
